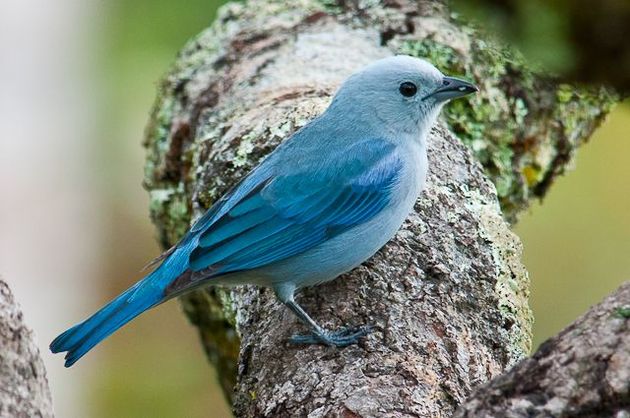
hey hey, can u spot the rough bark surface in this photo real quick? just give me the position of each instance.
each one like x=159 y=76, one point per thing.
x=447 y=296
x=582 y=372
x=24 y=391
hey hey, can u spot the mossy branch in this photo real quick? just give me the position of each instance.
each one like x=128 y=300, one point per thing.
x=265 y=68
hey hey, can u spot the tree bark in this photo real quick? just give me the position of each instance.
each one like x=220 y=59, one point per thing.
x=448 y=295
x=582 y=372
x=447 y=298
x=24 y=391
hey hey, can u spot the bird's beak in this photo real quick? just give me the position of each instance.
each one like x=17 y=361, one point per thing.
x=452 y=88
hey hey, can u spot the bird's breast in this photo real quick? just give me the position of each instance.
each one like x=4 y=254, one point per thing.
x=415 y=165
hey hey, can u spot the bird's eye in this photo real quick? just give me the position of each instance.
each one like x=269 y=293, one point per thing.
x=408 y=89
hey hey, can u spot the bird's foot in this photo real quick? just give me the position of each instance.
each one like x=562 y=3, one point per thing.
x=340 y=338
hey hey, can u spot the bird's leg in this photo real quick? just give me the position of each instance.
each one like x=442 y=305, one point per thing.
x=339 y=338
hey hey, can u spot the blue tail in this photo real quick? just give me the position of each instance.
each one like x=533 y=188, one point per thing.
x=145 y=294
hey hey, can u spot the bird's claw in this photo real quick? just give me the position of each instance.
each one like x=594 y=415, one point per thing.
x=340 y=338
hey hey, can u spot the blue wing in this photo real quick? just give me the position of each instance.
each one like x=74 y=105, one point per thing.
x=284 y=215
x=268 y=217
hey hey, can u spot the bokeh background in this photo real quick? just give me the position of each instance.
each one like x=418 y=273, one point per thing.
x=77 y=80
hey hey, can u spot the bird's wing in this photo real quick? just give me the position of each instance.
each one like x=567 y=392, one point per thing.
x=285 y=215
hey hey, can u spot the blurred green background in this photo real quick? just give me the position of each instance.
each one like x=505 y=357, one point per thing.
x=156 y=367
x=576 y=244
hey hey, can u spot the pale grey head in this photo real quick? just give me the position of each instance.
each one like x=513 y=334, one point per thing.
x=399 y=94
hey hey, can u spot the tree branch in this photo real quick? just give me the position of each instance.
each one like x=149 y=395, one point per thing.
x=582 y=372
x=448 y=295
x=447 y=298
x=23 y=386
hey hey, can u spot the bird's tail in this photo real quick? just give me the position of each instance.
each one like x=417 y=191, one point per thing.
x=145 y=294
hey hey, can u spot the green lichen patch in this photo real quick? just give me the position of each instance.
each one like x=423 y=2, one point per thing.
x=511 y=288
x=622 y=312
x=442 y=56
x=170 y=209
x=508 y=124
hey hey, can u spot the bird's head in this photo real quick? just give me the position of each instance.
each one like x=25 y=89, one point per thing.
x=400 y=94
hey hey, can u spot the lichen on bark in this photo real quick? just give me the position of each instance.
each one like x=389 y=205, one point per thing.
x=523 y=127
x=265 y=68
x=24 y=387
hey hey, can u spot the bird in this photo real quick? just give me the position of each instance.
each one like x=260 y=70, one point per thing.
x=323 y=202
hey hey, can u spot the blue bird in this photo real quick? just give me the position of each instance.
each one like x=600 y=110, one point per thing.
x=322 y=203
